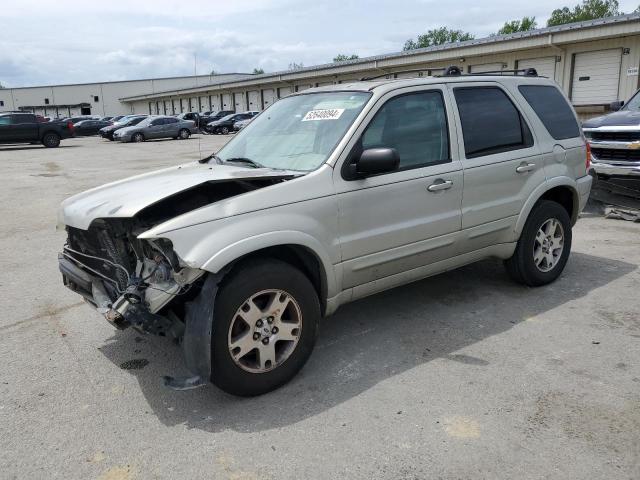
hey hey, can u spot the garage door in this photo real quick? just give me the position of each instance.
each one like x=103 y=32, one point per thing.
x=300 y=88
x=486 y=67
x=284 y=91
x=254 y=100
x=423 y=73
x=239 y=102
x=545 y=66
x=596 y=76
x=268 y=97
x=227 y=103
x=214 y=100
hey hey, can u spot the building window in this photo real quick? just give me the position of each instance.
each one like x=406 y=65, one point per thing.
x=46 y=101
x=96 y=98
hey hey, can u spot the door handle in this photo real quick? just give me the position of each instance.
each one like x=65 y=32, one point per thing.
x=525 y=167
x=439 y=185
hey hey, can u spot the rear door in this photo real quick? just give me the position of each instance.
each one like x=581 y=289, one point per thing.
x=24 y=127
x=171 y=127
x=501 y=162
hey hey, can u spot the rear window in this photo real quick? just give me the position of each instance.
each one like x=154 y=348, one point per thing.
x=552 y=110
x=490 y=122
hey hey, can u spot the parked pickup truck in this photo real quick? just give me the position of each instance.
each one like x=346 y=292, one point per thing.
x=25 y=128
x=615 y=144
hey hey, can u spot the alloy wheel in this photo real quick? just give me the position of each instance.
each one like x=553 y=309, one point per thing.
x=548 y=245
x=265 y=331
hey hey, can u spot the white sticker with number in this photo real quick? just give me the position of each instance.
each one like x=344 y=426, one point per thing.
x=324 y=114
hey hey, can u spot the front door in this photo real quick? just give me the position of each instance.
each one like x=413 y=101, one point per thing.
x=408 y=218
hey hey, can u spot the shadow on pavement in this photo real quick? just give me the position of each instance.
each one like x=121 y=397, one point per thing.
x=13 y=148
x=367 y=342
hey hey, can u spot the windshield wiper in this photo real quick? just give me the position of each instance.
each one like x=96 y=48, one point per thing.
x=244 y=160
x=210 y=157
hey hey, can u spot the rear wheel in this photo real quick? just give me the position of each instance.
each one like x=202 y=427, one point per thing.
x=544 y=246
x=184 y=134
x=51 y=140
x=265 y=327
x=137 y=137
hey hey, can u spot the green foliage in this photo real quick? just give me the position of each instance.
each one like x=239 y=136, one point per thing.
x=588 y=10
x=342 y=57
x=296 y=66
x=437 y=36
x=527 y=23
x=258 y=71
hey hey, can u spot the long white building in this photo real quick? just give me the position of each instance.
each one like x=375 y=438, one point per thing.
x=595 y=62
x=102 y=98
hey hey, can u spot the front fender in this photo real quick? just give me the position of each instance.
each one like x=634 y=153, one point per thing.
x=248 y=245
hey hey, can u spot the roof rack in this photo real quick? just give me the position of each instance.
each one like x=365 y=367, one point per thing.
x=413 y=70
x=454 y=71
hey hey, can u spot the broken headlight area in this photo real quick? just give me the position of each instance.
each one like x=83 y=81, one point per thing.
x=132 y=282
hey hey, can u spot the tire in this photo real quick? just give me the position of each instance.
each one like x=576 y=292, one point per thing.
x=259 y=282
x=224 y=130
x=184 y=134
x=536 y=260
x=51 y=140
x=137 y=137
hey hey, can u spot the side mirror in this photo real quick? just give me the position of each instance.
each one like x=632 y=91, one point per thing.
x=615 y=106
x=374 y=161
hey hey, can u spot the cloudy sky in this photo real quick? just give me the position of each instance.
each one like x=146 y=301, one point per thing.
x=69 y=41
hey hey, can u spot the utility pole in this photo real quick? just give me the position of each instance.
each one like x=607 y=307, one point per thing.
x=195 y=67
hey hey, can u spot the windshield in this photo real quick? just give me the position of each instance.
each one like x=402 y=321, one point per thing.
x=297 y=133
x=634 y=103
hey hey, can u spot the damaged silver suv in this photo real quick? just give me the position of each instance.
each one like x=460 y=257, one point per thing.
x=328 y=196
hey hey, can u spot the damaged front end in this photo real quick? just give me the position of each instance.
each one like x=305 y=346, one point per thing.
x=126 y=279
x=141 y=282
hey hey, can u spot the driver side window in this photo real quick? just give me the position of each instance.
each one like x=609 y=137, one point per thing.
x=415 y=125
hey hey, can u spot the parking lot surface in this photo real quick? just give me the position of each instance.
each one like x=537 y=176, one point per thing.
x=463 y=375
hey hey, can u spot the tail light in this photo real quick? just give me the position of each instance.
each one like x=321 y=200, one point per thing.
x=70 y=126
x=588 y=159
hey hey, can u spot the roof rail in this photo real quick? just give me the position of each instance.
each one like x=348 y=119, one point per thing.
x=454 y=70
x=413 y=70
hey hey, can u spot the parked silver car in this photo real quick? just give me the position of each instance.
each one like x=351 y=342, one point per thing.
x=156 y=126
x=327 y=197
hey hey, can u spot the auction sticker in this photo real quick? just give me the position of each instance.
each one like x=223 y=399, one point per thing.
x=325 y=114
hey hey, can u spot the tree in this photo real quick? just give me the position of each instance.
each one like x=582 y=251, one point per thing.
x=437 y=36
x=342 y=57
x=588 y=10
x=213 y=72
x=258 y=71
x=527 y=23
x=296 y=66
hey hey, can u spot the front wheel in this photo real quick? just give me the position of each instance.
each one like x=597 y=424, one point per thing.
x=264 y=327
x=544 y=246
x=138 y=137
x=225 y=130
x=51 y=140
x=184 y=134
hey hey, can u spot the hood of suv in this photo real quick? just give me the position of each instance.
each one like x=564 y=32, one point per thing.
x=622 y=118
x=125 y=198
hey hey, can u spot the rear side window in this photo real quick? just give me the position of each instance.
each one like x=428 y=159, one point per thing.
x=552 y=110
x=415 y=125
x=491 y=123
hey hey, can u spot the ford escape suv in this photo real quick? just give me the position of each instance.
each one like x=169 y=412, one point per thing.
x=328 y=196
